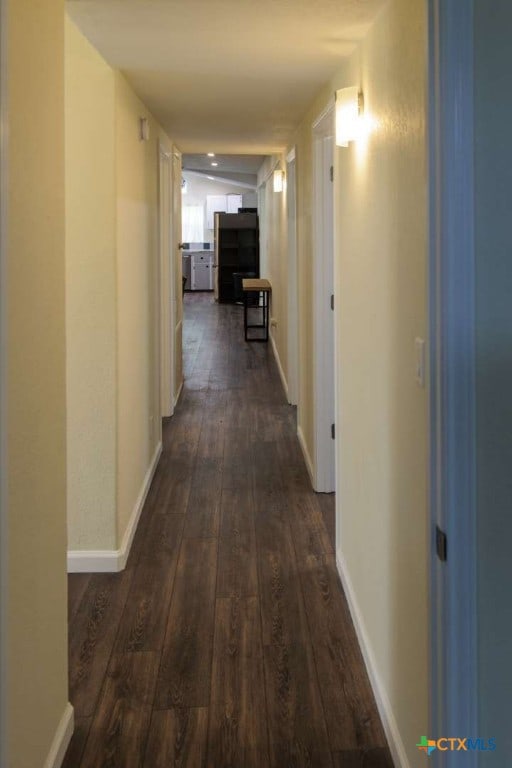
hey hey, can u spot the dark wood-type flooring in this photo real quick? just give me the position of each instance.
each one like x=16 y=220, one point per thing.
x=227 y=641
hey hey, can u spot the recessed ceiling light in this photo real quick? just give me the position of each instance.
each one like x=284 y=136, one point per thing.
x=214 y=163
x=211 y=154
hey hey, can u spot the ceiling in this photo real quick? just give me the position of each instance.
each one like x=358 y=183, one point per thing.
x=239 y=168
x=226 y=163
x=227 y=76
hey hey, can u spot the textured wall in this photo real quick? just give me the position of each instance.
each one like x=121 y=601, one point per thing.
x=90 y=295
x=381 y=284
x=304 y=169
x=36 y=628
x=381 y=291
x=275 y=266
x=138 y=411
x=113 y=300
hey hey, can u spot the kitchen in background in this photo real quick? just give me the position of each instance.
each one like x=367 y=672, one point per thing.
x=202 y=197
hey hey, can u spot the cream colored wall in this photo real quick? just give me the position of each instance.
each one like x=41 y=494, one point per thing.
x=113 y=299
x=36 y=439
x=90 y=295
x=138 y=412
x=380 y=282
x=304 y=174
x=380 y=287
x=274 y=267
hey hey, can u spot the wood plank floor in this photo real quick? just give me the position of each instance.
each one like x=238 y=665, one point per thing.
x=227 y=641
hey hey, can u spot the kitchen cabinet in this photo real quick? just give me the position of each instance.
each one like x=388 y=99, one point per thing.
x=221 y=204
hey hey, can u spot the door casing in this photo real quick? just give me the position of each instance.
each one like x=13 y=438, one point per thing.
x=167 y=286
x=324 y=479
x=292 y=282
x=453 y=700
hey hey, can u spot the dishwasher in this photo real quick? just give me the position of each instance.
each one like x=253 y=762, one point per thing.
x=201 y=272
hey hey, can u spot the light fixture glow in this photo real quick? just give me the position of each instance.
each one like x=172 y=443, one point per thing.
x=215 y=164
x=278 y=180
x=212 y=178
x=349 y=114
x=210 y=154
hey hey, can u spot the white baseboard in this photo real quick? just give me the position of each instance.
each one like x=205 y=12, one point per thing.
x=389 y=723
x=61 y=739
x=305 y=453
x=178 y=394
x=114 y=560
x=279 y=367
x=94 y=560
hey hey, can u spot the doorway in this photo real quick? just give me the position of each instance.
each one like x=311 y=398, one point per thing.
x=167 y=287
x=324 y=479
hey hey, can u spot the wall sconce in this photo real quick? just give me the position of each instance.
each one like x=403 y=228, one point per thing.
x=278 y=181
x=143 y=129
x=349 y=111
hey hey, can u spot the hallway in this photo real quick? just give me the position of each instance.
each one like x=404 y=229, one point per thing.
x=227 y=640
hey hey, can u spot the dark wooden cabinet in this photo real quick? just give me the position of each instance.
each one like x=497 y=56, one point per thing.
x=237 y=250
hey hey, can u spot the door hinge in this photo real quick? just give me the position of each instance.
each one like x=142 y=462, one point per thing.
x=441 y=544
x=333 y=431
x=331 y=173
x=332 y=301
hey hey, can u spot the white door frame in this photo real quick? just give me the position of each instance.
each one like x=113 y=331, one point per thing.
x=324 y=479
x=167 y=285
x=292 y=281
x=452 y=374
x=176 y=273
x=4 y=549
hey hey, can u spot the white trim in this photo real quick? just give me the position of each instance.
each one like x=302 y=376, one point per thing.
x=275 y=160
x=61 y=739
x=279 y=366
x=94 y=560
x=166 y=330
x=177 y=330
x=387 y=716
x=114 y=560
x=326 y=112
x=177 y=289
x=180 y=388
x=305 y=453
x=323 y=316
x=292 y=281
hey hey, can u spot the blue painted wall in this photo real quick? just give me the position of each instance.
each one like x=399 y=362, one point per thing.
x=493 y=230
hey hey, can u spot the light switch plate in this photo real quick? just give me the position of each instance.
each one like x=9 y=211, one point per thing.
x=419 y=345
